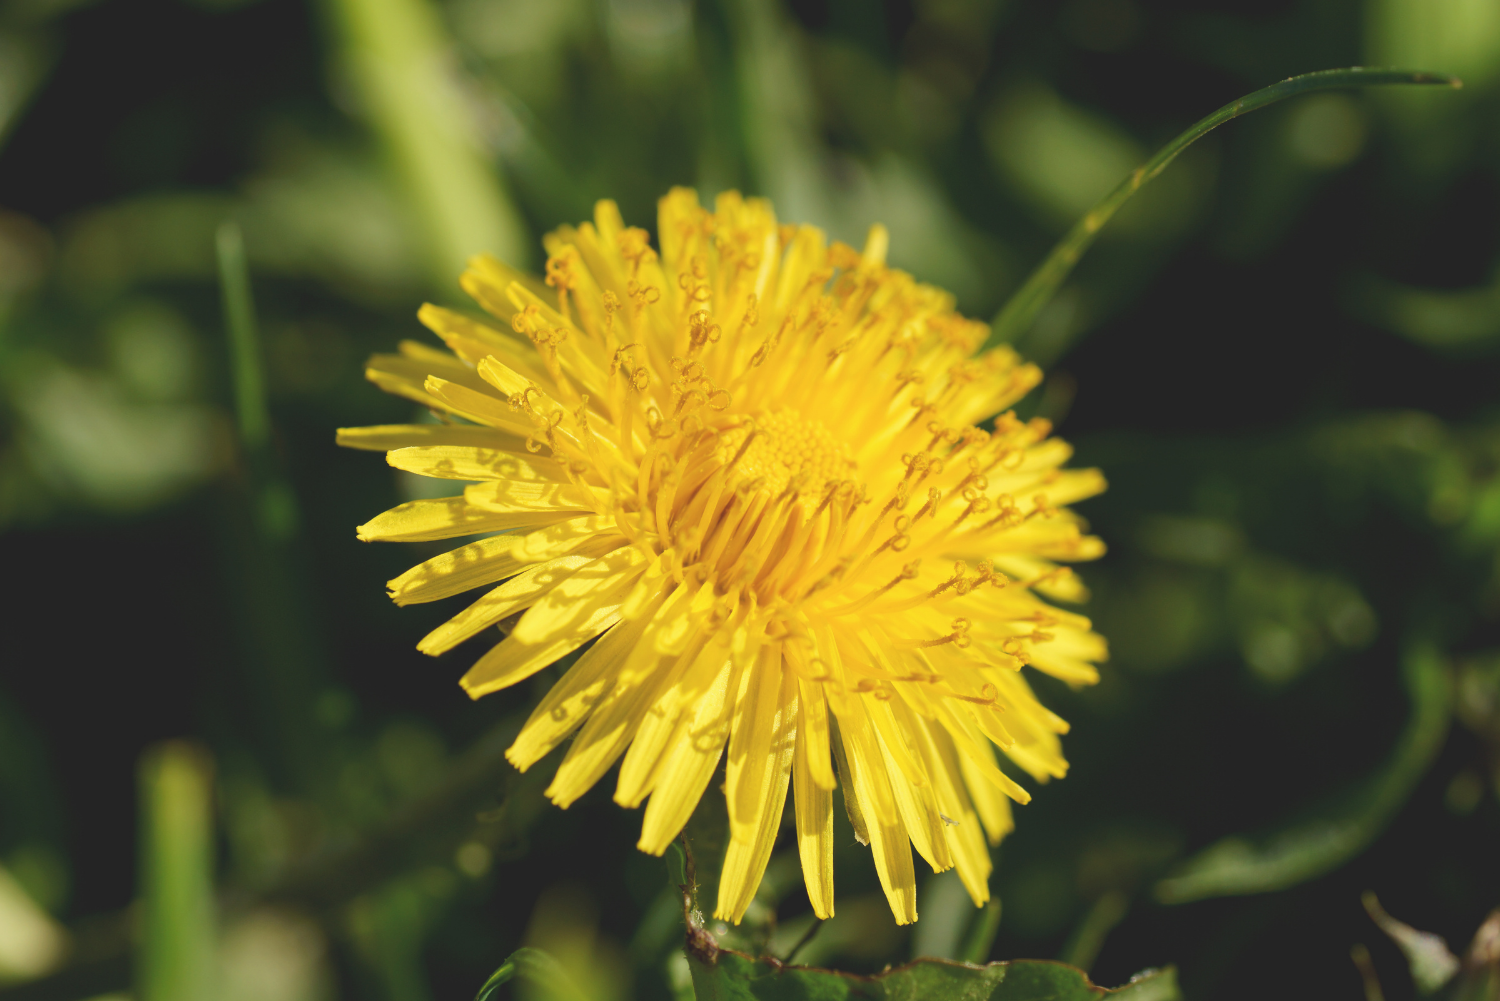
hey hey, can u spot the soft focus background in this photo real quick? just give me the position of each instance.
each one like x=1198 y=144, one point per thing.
x=1285 y=355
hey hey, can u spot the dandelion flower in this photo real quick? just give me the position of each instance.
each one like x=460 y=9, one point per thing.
x=746 y=473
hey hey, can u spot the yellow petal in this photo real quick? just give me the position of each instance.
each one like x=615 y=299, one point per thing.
x=447 y=518
x=521 y=591
x=403 y=385
x=752 y=835
x=1053 y=581
x=487 y=278
x=616 y=715
x=384 y=437
x=567 y=617
x=661 y=722
x=512 y=383
x=914 y=804
x=815 y=729
x=691 y=757
x=967 y=733
x=492 y=559
x=527 y=495
x=580 y=356
x=568 y=703
x=406 y=374
x=860 y=745
x=474 y=341
x=468 y=462
x=814 y=816
x=990 y=803
x=757 y=727
x=1069 y=656
x=961 y=823
x=479 y=405
x=888 y=838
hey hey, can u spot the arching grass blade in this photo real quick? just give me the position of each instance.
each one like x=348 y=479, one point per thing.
x=1023 y=306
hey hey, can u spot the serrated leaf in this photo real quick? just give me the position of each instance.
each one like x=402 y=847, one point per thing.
x=732 y=976
x=1313 y=846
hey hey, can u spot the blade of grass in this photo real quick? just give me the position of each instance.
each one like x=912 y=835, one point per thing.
x=275 y=507
x=543 y=972
x=402 y=66
x=244 y=346
x=1018 y=313
x=177 y=948
x=1337 y=831
x=981 y=939
x=280 y=655
x=1083 y=948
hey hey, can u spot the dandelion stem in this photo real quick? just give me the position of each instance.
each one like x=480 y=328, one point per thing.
x=1016 y=317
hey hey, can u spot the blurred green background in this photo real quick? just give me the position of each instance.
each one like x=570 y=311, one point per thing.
x=1285 y=355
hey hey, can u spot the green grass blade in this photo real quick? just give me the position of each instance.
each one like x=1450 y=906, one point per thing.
x=1324 y=840
x=543 y=973
x=1022 y=308
x=1084 y=945
x=981 y=939
x=178 y=944
x=244 y=343
x=401 y=63
x=275 y=506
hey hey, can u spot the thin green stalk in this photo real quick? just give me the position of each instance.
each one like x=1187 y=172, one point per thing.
x=280 y=652
x=178 y=941
x=244 y=344
x=275 y=507
x=1016 y=317
x=981 y=938
x=1083 y=948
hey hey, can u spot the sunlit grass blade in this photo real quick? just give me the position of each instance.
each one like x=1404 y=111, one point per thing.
x=1023 y=306
x=544 y=974
x=178 y=943
x=402 y=66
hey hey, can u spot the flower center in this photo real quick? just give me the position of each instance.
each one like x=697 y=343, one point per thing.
x=789 y=450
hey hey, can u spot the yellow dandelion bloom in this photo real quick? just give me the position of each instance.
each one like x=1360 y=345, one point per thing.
x=748 y=469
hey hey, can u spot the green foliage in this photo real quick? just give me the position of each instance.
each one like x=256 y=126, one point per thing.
x=1270 y=547
x=1310 y=846
x=536 y=968
x=733 y=977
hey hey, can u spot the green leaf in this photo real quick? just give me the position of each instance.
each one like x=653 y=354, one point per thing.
x=539 y=969
x=731 y=976
x=1315 y=845
x=1022 y=308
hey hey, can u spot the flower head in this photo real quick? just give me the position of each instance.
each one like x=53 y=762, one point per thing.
x=749 y=470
